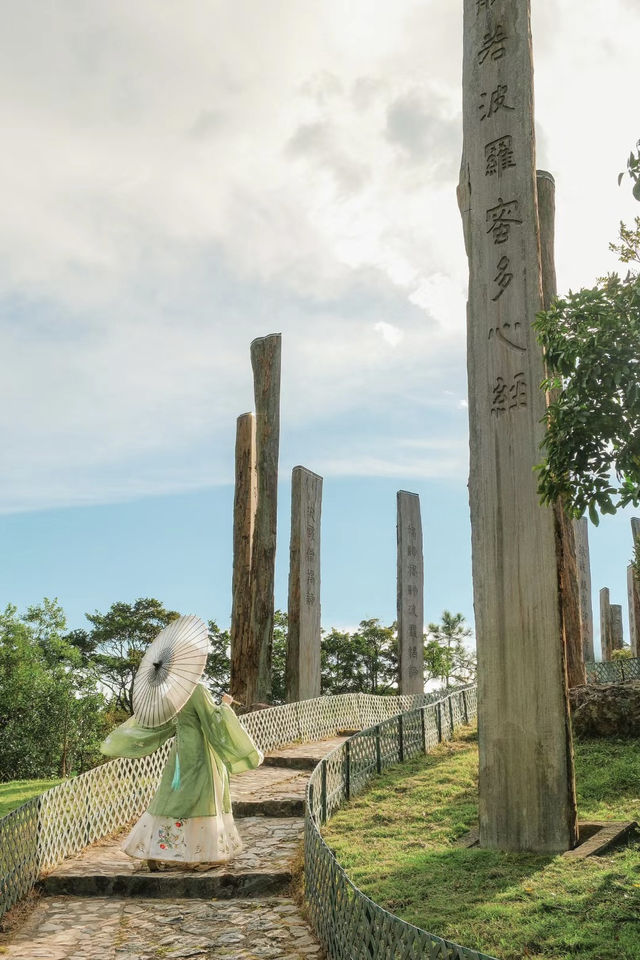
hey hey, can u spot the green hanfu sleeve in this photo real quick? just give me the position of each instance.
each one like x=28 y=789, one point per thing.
x=221 y=727
x=132 y=740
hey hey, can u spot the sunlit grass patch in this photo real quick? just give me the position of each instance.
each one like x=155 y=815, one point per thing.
x=16 y=792
x=398 y=844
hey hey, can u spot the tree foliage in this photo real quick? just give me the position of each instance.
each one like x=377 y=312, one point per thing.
x=633 y=171
x=446 y=653
x=62 y=691
x=117 y=641
x=591 y=341
x=51 y=713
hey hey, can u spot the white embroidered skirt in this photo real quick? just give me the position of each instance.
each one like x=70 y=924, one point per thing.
x=186 y=840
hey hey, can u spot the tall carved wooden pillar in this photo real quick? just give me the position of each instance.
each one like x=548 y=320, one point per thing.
x=565 y=535
x=265 y=361
x=581 y=529
x=617 y=635
x=410 y=584
x=303 y=647
x=606 y=639
x=633 y=592
x=244 y=655
x=527 y=792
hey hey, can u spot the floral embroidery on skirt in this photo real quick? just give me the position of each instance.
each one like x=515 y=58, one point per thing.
x=186 y=839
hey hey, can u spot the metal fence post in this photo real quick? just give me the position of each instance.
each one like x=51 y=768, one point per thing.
x=400 y=738
x=323 y=795
x=465 y=708
x=439 y=721
x=347 y=769
x=451 y=713
x=378 y=751
x=423 y=721
x=310 y=801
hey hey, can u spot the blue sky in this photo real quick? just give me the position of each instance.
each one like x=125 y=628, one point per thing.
x=181 y=179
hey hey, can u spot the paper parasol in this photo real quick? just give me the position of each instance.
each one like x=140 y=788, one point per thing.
x=170 y=671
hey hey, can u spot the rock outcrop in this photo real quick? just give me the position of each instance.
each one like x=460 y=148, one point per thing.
x=606 y=709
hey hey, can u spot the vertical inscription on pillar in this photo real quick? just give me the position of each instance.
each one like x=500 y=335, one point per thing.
x=633 y=589
x=244 y=655
x=303 y=649
x=527 y=794
x=633 y=594
x=410 y=594
x=606 y=640
x=617 y=635
x=581 y=530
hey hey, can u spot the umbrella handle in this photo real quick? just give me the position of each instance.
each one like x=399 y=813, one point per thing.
x=233 y=700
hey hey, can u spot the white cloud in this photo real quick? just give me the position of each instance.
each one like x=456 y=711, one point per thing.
x=180 y=180
x=392 y=335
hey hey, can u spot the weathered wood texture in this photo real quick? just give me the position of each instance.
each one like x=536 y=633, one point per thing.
x=265 y=361
x=527 y=792
x=605 y=624
x=244 y=658
x=617 y=635
x=633 y=590
x=303 y=647
x=581 y=530
x=565 y=537
x=633 y=595
x=410 y=592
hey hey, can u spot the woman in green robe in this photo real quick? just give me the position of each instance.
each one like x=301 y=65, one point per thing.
x=189 y=819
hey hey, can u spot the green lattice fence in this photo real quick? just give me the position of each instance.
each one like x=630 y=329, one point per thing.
x=613 y=671
x=67 y=818
x=348 y=923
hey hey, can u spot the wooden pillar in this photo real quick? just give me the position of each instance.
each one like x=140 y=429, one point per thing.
x=526 y=783
x=244 y=654
x=581 y=529
x=265 y=361
x=303 y=648
x=633 y=591
x=617 y=636
x=565 y=536
x=410 y=591
x=633 y=594
x=605 y=624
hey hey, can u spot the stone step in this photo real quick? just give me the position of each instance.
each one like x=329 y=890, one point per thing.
x=281 y=807
x=302 y=756
x=269 y=791
x=262 y=869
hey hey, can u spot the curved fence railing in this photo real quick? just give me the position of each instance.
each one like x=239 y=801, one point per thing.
x=348 y=923
x=613 y=671
x=61 y=822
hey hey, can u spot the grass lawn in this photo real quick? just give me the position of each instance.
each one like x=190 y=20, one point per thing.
x=17 y=792
x=396 y=842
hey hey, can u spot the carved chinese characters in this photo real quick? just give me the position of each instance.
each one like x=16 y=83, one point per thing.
x=244 y=656
x=633 y=592
x=617 y=637
x=633 y=596
x=526 y=779
x=499 y=156
x=410 y=594
x=605 y=624
x=584 y=585
x=303 y=652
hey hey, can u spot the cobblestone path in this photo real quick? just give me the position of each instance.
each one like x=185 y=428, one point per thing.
x=101 y=905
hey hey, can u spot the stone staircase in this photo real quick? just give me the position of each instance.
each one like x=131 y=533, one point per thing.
x=101 y=905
